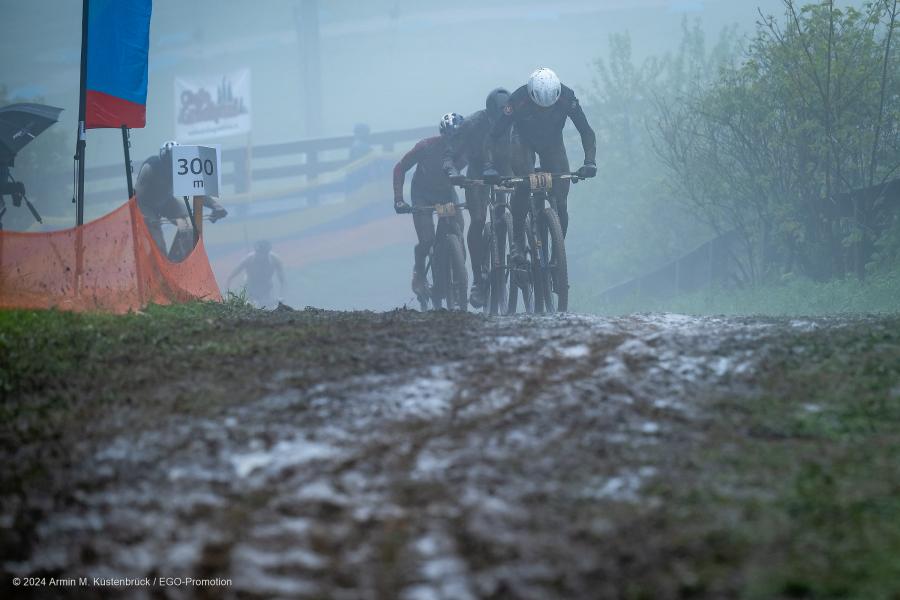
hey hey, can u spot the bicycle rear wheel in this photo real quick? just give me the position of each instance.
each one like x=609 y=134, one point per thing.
x=440 y=269
x=519 y=275
x=487 y=242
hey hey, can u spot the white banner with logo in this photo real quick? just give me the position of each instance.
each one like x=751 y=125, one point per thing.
x=212 y=107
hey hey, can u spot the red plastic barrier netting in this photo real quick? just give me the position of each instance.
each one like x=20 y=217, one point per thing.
x=111 y=264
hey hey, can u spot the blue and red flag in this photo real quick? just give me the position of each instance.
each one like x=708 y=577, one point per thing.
x=118 y=43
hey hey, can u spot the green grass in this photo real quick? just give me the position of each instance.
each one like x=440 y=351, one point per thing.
x=879 y=293
x=803 y=483
x=38 y=349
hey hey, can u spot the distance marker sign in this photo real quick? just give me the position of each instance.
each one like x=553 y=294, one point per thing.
x=195 y=171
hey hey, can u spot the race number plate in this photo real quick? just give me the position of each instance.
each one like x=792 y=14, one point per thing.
x=540 y=181
x=445 y=210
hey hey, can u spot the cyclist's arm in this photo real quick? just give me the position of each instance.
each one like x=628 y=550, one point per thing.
x=237 y=271
x=142 y=184
x=498 y=131
x=453 y=153
x=279 y=272
x=406 y=163
x=588 y=138
x=211 y=203
x=218 y=211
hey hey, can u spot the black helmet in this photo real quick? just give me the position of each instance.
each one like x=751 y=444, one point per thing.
x=495 y=102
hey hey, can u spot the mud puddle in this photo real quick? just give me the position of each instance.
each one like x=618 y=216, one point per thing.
x=502 y=471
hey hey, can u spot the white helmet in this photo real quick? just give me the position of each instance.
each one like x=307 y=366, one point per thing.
x=544 y=87
x=166 y=147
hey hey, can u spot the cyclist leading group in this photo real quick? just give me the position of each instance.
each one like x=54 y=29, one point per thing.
x=504 y=138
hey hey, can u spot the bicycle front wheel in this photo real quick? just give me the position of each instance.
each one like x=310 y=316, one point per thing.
x=498 y=274
x=440 y=270
x=519 y=275
x=458 y=279
x=536 y=271
x=555 y=269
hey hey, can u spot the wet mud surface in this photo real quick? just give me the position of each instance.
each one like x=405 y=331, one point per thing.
x=452 y=457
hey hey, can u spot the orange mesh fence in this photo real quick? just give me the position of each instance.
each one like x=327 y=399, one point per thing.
x=111 y=264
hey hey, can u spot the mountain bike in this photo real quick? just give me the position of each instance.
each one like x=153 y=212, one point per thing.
x=503 y=279
x=545 y=248
x=445 y=268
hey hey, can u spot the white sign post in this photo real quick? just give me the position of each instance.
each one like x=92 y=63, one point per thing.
x=195 y=171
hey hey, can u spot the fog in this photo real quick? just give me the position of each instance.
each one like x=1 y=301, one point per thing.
x=390 y=64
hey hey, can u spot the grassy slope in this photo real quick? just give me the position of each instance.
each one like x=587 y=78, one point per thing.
x=880 y=293
x=802 y=485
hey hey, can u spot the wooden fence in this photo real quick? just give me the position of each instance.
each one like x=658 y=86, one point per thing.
x=242 y=167
x=712 y=263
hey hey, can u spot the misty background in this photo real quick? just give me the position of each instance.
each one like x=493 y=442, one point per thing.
x=396 y=65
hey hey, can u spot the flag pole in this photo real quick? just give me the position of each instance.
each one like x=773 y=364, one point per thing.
x=82 y=100
x=126 y=145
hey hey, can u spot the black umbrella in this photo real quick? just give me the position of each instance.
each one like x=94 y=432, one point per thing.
x=21 y=123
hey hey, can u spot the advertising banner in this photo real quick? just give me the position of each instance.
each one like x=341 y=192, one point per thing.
x=212 y=107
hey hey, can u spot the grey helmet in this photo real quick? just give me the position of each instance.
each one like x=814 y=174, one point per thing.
x=495 y=102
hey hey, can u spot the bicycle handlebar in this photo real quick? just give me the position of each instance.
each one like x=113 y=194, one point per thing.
x=513 y=181
x=441 y=209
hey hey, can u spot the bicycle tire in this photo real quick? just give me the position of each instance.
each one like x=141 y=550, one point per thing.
x=519 y=280
x=514 y=277
x=556 y=277
x=487 y=241
x=534 y=258
x=499 y=288
x=457 y=277
x=440 y=269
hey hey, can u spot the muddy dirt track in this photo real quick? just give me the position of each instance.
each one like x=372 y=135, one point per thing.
x=401 y=456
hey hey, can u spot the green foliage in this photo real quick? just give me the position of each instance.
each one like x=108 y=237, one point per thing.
x=239 y=300
x=887 y=247
x=813 y=112
x=630 y=202
x=790 y=295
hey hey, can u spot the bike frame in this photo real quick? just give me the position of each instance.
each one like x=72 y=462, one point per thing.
x=540 y=195
x=496 y=208
x=447 y=224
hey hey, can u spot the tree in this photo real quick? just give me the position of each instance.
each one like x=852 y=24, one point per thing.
x=636 y=224
x=776 y=144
